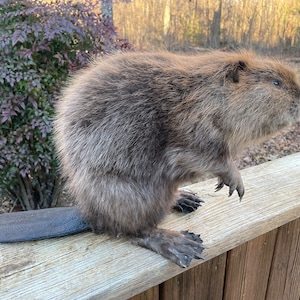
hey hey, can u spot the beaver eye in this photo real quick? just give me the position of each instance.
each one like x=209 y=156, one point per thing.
x=276 y=83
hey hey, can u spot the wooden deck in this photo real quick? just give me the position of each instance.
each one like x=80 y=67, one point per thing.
x=253 y=251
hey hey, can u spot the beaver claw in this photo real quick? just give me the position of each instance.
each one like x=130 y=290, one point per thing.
x=233 y=180
x=187 y=202
x=179 y=247
x=232 y=187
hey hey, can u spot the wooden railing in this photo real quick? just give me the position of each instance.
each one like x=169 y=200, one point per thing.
x=253 y=251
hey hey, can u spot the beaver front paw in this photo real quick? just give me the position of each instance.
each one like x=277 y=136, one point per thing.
x=187 y=202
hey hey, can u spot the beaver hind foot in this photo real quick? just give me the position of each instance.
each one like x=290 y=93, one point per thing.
x=179 y=247
x=187 y=202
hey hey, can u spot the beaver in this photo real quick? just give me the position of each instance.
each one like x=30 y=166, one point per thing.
x=133 y=127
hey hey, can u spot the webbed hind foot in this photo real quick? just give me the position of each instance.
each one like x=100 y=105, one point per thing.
x=179 y=247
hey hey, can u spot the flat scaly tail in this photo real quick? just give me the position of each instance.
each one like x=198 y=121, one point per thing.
x=41 y=224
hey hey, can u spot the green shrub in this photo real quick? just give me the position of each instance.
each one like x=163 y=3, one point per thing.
x=40 y=45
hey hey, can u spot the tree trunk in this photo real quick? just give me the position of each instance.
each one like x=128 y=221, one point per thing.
x=215 y=28
x=107 y=9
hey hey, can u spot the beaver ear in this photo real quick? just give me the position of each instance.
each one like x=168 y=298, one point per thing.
x=232 y=70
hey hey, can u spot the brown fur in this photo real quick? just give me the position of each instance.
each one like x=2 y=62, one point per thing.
x=133 y=127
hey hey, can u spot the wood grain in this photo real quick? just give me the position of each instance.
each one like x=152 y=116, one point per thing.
x=284 y=281
x=86 y=266
x=204 y=281
x=151 y=294
x=248 y=268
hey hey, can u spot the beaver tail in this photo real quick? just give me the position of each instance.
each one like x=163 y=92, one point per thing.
x=41 y=224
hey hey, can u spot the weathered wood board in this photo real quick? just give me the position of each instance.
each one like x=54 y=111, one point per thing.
x=86 y=266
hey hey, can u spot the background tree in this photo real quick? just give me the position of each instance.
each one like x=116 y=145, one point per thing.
x=107 y=8
x=216 y=27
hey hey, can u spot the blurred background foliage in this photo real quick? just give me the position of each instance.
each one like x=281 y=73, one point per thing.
x=41 y=44
x=265 y=25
